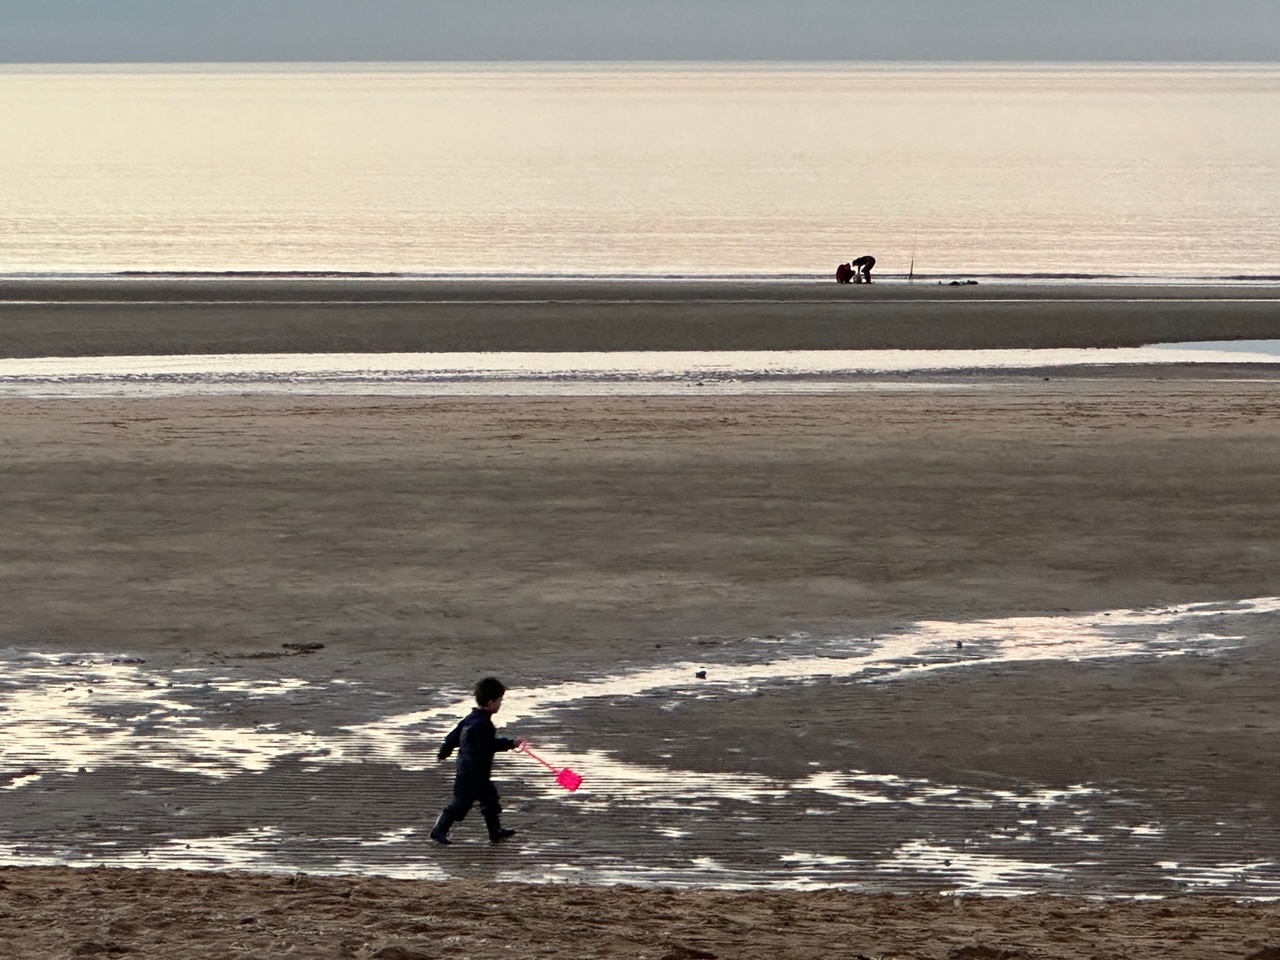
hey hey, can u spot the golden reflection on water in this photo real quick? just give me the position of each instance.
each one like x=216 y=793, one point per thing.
x=1168 y=171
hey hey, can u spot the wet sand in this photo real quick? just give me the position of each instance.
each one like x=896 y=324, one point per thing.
x=132 y=316
x=602 y=523
x=426 y=541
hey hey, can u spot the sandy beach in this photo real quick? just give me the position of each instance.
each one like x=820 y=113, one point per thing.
x=105 y=913
x=426 y=541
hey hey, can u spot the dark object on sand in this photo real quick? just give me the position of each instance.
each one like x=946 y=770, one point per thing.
x=701 y=674
x=286 y=650
x=844 y=273
x=962 y=283
x=862 y=268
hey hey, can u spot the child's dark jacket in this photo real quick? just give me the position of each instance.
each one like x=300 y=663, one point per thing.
x=476 y=741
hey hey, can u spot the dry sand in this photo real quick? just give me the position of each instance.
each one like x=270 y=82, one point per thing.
x=424 y=541
x=147 y=915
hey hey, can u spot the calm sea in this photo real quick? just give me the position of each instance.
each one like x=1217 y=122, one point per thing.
x=1147 y=171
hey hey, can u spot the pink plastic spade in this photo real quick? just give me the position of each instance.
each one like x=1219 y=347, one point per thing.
x=565 y=777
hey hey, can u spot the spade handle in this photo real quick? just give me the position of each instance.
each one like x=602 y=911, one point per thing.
x=526 y=749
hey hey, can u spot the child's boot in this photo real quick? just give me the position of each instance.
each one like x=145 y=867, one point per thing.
x=497 y=832
x=440 y=832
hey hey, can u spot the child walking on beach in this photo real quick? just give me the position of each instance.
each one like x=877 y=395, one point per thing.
x=476 y=741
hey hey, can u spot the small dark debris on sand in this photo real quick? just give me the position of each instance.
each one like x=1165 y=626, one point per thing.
x=286 y=650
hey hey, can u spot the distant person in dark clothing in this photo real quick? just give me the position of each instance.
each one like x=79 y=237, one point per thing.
x=844 y=273
x=862 y=269
x=476 y=741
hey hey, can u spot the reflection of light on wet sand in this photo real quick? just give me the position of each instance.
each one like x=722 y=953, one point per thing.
x=1193 y=877
x=61 y=714
x=1141 y=829
x=864 y=787
x=609 y=373
x=20 y=779
x=965 y=870
x=929 y=645
x=962 y=871
x=91 y=712
x=610 y=780
x=265 y=849
x=82 y=712
x=820 y=864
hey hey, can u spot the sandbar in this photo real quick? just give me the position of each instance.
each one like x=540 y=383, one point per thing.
x=234 y=314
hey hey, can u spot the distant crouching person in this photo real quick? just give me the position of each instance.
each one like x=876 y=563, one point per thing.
x=862 y=269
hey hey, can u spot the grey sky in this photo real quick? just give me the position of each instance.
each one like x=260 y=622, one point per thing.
x=35 y=31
